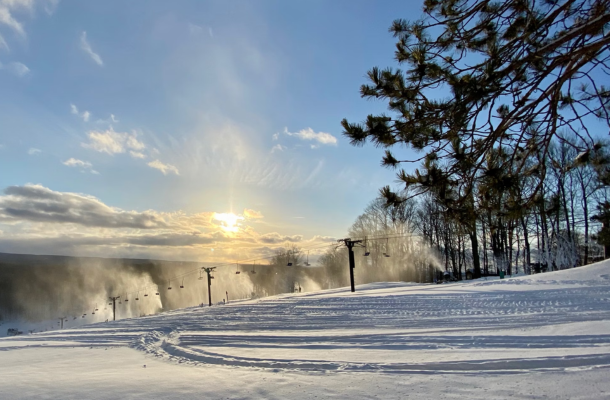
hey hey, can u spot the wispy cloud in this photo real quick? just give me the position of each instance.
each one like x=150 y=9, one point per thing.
x=6 y=16
x=275 y=238
x=277 y=147
x=16 y=68
x=74 y=162
x=111 y=142
x=194 y=29
x=33 y=151
x=85 y=115
x=111 y=120
x=137 y=154
x=24 y=7
x=310 y=134
x=3 y=44
x=164 y=168
x=86 y=47
x=248 y=213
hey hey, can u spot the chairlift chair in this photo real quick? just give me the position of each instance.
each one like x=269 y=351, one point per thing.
x=182 y=285
x=366 y=250
x=307 y=262
x=385 y=253
x=169 y=285
x=138 y=296
x=237 y=271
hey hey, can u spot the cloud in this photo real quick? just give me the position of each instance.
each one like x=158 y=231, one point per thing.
x=164 y=168
x=111 y=142
x=73 y=162
x=194 y=29
x=16 y=68
x=37 y=203
x=309 y=134
x=6 y=16
x=111 y=120
x=85 y=115
x=277 y=147
x=136 y=154
x=86 y=47
x=276 y=238
x=36 y=219
x=248 y=213
x=33 y=151
x=3 y=44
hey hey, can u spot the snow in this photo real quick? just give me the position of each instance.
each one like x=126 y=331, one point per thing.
x=542 y=336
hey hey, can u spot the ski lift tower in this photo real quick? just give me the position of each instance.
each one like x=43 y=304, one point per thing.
x=210 y=277
x=352 y=263
x=114 y=299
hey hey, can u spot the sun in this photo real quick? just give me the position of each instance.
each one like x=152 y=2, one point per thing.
x=228 y=221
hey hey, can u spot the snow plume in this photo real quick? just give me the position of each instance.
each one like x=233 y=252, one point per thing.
x=37 y=288
x=395 y=253
x=45 y=288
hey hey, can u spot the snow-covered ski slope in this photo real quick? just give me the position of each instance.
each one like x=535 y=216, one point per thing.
x=544 y=336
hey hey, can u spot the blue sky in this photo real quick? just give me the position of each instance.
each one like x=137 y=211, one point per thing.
x=179 y=113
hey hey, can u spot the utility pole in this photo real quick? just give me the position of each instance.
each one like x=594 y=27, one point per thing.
x=62 y=322
x=114 y=299
x=210 y=277
x=352 y=263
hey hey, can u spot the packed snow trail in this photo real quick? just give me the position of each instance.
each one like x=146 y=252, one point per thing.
x=546 y=324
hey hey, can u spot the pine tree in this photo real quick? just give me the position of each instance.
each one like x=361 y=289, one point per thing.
x=485 y=74
x=480 y=76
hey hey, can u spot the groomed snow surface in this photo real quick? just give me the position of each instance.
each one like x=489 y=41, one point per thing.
x=533 y=337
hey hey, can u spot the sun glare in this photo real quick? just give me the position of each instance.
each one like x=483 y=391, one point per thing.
x=228 y=221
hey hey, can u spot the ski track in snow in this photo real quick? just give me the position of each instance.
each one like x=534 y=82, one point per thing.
x=541 y=323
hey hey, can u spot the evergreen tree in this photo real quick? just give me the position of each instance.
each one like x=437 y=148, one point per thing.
x=483 y=74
